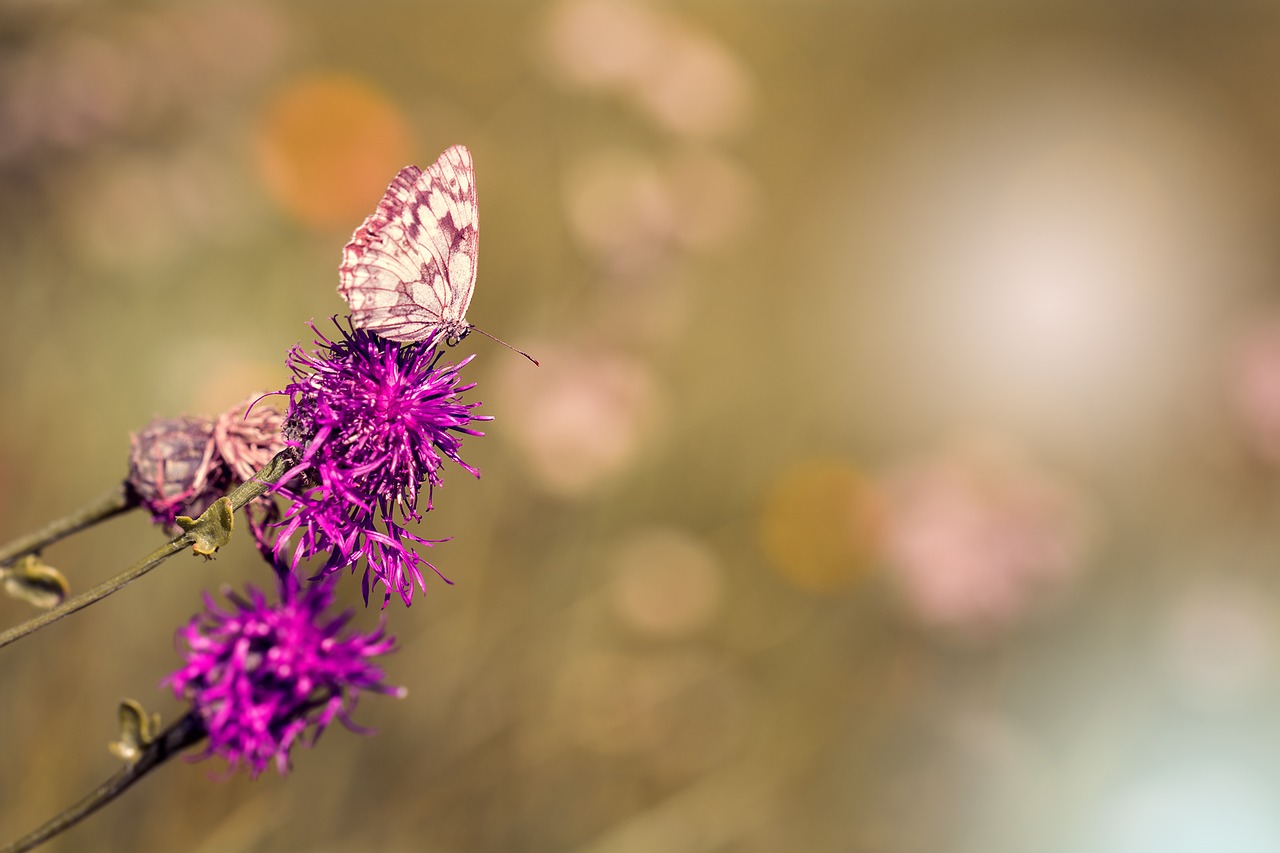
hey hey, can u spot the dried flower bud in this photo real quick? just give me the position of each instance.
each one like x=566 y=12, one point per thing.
x=247 y=436
x=174 y=468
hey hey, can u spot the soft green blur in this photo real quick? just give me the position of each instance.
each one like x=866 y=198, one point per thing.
x=902 y=471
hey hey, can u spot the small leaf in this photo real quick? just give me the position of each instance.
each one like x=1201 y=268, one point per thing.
x=35 y=582
x=137 y=731
x=212 y=529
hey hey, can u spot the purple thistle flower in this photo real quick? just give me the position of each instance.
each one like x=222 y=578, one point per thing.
x=263 y=676
x=372 y=420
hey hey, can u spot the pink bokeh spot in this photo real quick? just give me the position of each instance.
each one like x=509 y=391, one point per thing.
x=583 y=417
x=975 y=542
x=1255 y=387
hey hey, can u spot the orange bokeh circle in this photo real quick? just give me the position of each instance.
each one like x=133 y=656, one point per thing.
x=328 y=145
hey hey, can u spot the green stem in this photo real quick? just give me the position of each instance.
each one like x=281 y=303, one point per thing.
x=261 y=482
x=241 y=495
x=99 y=592
x=177 y=737
x=112 y=504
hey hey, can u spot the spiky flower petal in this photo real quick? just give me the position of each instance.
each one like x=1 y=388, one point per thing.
x=373 y=421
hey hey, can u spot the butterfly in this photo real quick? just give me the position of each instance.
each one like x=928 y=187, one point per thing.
x=410 y=269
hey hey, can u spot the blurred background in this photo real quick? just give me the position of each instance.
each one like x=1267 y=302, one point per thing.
x=903 y=472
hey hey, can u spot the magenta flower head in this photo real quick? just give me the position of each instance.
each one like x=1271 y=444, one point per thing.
x=263 y=676
x=372 y=421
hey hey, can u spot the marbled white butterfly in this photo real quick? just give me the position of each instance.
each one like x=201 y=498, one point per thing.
x=410 y=269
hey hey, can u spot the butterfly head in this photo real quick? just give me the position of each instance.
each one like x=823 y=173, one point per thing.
x=453 y=333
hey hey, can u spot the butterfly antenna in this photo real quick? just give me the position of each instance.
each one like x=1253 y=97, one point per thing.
x=496 y=339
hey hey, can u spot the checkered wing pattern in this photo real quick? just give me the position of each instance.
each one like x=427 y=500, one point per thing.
x=410 y=269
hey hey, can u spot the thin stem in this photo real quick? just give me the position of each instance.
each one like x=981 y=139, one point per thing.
x=177 y=737
x=241 y=495
x=99 y=592
x=111 y=504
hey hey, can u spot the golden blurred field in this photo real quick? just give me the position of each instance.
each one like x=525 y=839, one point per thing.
x=903 y=472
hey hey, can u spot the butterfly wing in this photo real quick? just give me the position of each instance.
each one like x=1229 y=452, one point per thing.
x=410 y=269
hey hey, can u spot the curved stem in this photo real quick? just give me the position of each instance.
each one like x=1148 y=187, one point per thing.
x=259 y=485
x=177 y=737
x=99 y=592
x=111 y=504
